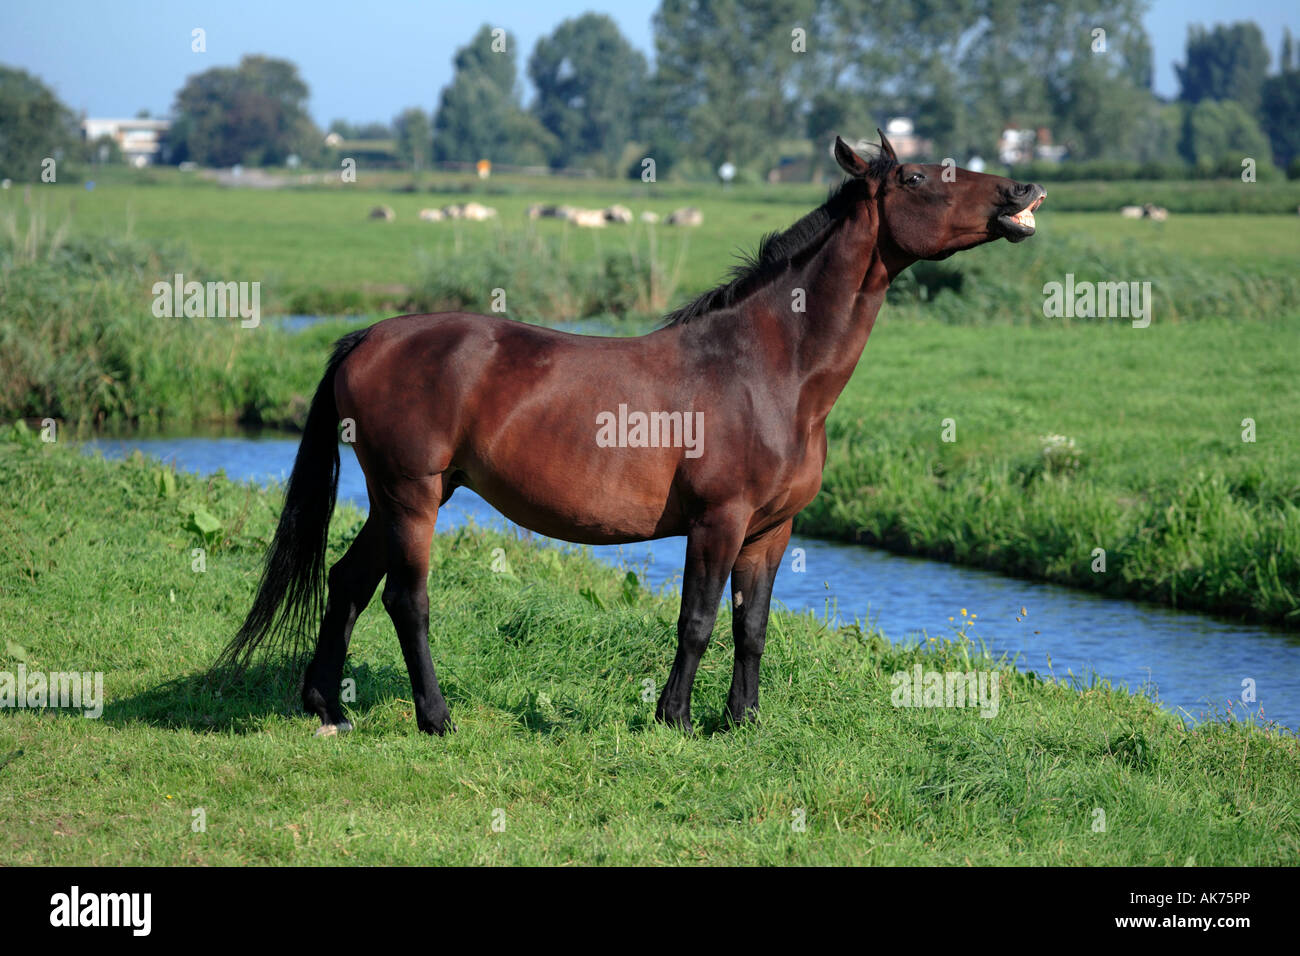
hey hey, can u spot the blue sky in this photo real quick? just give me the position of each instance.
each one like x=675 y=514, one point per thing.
x=368 y=61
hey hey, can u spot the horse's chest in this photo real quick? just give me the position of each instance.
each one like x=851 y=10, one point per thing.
x=798 y=483
x=807 y=480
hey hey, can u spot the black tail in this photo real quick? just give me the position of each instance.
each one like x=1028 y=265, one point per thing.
x=290 y=599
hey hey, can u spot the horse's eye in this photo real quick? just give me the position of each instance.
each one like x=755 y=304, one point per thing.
x=915 y=178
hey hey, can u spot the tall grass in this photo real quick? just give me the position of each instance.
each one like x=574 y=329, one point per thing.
x=79 y=341
x=27 y=237
x=542 y=277
x=980 y=286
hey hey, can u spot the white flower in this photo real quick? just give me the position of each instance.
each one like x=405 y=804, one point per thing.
x=1060 y=453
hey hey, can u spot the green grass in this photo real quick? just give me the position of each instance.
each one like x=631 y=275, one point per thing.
x=315 y=250
x=547 y=689
x=1192 y=271
x=1277 y=198
x=78 y=343
x=1187 y=513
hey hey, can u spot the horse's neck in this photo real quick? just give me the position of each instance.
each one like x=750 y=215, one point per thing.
x=846 y=283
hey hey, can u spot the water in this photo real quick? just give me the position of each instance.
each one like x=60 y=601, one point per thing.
x=1195 y=664
x=592 y=326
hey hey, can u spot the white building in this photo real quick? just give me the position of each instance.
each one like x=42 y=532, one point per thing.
x=902 y=136
x=140 y=140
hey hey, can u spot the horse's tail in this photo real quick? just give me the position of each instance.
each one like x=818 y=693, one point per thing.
x=290 y=598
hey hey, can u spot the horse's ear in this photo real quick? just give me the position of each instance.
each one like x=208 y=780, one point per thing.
x=886 y=147
x=849 y=161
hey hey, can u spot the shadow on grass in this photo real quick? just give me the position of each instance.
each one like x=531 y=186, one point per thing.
x=266 y=691
x=204 y=703
x=538 y=713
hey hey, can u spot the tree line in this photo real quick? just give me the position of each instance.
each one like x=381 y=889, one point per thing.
x=751 y=82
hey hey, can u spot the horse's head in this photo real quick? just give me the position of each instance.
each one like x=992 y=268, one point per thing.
x=930 y=211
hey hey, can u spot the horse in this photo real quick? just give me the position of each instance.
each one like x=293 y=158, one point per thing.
x=725 y=440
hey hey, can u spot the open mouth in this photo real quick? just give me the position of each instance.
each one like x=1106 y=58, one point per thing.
x=1020 y=225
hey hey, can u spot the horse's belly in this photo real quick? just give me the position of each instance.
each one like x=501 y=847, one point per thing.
x=578 y=512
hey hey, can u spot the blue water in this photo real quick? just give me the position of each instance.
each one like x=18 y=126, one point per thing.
x=1193 y=663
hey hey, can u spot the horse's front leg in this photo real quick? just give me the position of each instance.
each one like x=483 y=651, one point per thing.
x=711 y=548
x=752 y=578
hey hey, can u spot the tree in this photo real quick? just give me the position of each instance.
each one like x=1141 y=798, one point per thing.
x=1022 y=72
x=589 y=82
x=1098 y=110
x=34 y=125
x=1162 y=135
x=963 y=69
x=414 y=137
x=345 y=129
x=1279 y=109
x=255 y=114
x=374 y=130
x=1222 y=133
x=1226 y=63
x=728 y=75
x=479 y=114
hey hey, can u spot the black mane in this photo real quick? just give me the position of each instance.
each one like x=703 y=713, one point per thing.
x=777 y=249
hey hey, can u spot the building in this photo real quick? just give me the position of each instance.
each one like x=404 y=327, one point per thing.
x=140 y=140
x=1015 y=146
x=1022 y=145
x=907 y=145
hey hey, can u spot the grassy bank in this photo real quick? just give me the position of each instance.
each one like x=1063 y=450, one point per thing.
x=1158 y=476
x=81 y=346
x=1187 y=513
x=555 y=740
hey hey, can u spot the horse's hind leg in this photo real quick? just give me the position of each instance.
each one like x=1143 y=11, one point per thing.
x=406 y=598
x=352 y=583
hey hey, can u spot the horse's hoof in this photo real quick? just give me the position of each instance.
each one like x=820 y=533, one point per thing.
x=333 y=730
x=681 y=724
x=747 y=716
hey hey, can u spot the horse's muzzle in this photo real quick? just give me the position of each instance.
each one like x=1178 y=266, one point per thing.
x=1015 y=221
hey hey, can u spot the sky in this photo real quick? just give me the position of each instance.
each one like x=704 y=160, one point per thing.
x=369 y=61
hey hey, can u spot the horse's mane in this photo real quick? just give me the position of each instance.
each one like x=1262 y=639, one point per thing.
x=777 y=249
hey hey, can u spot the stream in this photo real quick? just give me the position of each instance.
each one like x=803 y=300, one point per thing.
x=1193 y=663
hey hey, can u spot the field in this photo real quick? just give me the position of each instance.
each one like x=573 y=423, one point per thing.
x=547 y=666
x=1158 y=476
x=315 y=247
x=557 y=759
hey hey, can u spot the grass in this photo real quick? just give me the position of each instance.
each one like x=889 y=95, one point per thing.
x=84 y=348
x=315 y=250
x=1187 y=513
x=1212 y=196
x=1191 y=277
x=528 y=273
x=556 y=741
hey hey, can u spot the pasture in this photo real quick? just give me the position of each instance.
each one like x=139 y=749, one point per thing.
x=304 y=243
x=558 y=758
x=1187 y=512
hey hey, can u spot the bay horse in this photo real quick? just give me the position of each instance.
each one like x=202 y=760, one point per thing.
x=725 y=441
